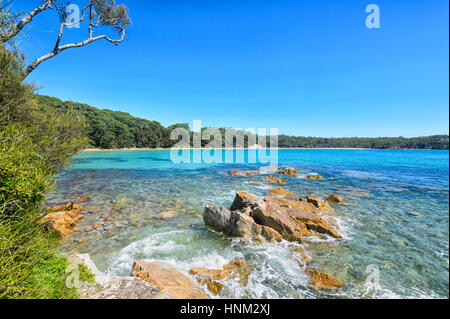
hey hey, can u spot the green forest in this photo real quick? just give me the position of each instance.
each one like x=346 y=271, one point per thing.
x=112 y=129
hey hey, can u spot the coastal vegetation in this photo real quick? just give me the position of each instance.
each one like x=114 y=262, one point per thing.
x=36 y=141
x=113 y=129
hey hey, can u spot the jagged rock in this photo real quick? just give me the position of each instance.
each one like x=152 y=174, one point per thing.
x=281 y=192
x=121 y=288
x=167 y=279
x=234 y=223
x=274 y=217
x=322 y=281
x=243 y=202
x=107 y=287
x=336 y=199
x=211 y=277
x=314 y=222
x=319 y=203
x=289 y=171
x=276 y=180
x=315 y=177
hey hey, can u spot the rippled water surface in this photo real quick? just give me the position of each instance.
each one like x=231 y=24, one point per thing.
x=396 y=219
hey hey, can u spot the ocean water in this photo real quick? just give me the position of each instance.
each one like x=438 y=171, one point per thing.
x=395 y=224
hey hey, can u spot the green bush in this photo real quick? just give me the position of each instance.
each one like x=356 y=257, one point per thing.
x=34 y=143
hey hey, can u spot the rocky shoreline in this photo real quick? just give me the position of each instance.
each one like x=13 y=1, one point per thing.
x=280 y=215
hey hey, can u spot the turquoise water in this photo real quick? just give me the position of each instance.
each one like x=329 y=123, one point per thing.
x=396 y=220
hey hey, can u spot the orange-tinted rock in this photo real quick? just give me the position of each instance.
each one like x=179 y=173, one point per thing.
x=315 y=177
x=289 y=171
x=168 y=279
x=281 y=192
x=291 y=203
x=311 y=234
x=322 y=281
x=211 y=277
x=274 y=217
x=244 y=173
x=70 y=207
x=97 y=226
x=244 y=201
x=336 y=199
x=63 y=218
x=83 y=199
x=314 y=222
x=304 y=257
x=276 y=180
x=319 y=203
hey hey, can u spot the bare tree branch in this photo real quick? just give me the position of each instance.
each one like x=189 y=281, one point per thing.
x=15 y=30
x=60 y=49
x=109 y=15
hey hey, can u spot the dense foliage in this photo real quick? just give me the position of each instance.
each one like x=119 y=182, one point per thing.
x=111 y=129
x=34 y=143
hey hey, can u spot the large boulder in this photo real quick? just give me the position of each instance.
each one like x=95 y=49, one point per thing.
x=234 y=223
x=167 y=279
x=322 y=281
x=315 y=222
x=274 y=217
x=212 y=278
x=244 y=202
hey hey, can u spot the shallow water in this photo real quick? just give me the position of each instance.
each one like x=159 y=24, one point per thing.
x=396 y=220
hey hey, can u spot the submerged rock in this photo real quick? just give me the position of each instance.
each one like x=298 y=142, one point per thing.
x=212 y=277
x=167 y=279
x=166 y=215
x=289 y=171
x=315 y=177
x=276 y=180
x=244 y=173
x=236 y=224
x=336 y=199
x=83 y=199
x=322 y=281
x=304 y=257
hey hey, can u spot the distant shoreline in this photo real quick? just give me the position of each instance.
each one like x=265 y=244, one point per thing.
x=91 y=150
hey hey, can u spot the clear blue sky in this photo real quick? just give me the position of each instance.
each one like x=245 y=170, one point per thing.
x=308 y=68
